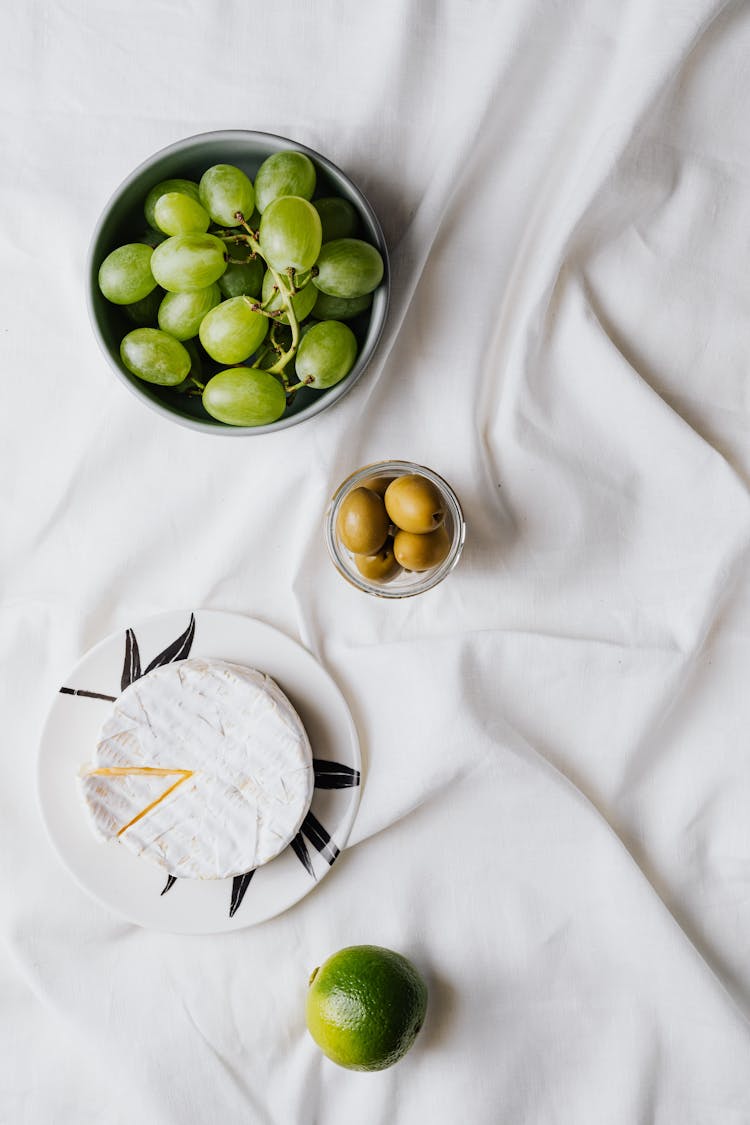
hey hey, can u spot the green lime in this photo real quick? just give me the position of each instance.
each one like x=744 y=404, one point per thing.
x=365 y=1006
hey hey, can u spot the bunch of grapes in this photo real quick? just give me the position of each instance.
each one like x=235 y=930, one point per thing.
x=253 y=275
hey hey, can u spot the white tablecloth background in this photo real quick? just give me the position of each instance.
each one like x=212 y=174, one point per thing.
x=556 y=820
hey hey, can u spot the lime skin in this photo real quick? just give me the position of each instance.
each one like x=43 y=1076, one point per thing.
x=365 y=1006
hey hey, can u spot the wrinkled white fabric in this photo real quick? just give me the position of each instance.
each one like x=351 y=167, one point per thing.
x=554 y=824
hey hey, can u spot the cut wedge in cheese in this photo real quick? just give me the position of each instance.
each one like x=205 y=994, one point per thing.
x=203 y=767
x=149 y=772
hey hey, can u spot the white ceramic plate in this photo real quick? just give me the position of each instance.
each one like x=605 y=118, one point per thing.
x=133 y=886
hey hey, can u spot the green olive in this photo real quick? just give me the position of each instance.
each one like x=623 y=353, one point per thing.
x=362 y=522
x=421 y=552
x=377 y=484
x=414 y=504
x=380 y=567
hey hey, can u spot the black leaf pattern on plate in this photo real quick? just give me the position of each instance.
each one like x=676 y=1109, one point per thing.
x=328 y=775
x=319 y=838
x=334 y=775
x=299 y=847
x=178 y=650
x=86 y=694
x=240 y=883
x=131 y=669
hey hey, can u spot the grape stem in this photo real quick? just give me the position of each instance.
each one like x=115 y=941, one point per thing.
x=274 y=342
x=286 y=297
x=263 y=354
x=304 y=383
x=270 y=299
x=278 y=367
x=232 y=236
x=293 y=286
x=256 y=307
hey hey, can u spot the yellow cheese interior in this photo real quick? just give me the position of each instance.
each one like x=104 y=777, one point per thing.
x=142 y=771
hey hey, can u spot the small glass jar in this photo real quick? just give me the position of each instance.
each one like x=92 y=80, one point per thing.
x=406 y=583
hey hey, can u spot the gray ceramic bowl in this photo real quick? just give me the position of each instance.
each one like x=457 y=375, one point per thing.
x=122 y=221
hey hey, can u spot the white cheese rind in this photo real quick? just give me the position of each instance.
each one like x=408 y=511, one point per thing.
x=251 y=762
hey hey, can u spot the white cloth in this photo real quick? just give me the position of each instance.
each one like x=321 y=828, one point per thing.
x=555 y=820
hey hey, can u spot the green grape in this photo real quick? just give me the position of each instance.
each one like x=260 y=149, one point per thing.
x=152 y=238
x=290 y=234
x=225 y=190
x=186 y=262
x=326 y=354
x=180 y=314
x=340 y=308
x=125 y=275
x=231 y=331
x=338 y=217
x=177 y=213
x=146 y=311
x=243 y=278
x=187 y=187
x=244 y=396
x=348 y=267
x=154 y=356
x=284 y=173
x=196 y=362
x=196 y=368
x=302 y=302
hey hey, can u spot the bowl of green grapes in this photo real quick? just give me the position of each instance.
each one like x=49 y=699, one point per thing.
x=238 y=282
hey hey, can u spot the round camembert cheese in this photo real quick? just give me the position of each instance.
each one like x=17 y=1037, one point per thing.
x=203 y=767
